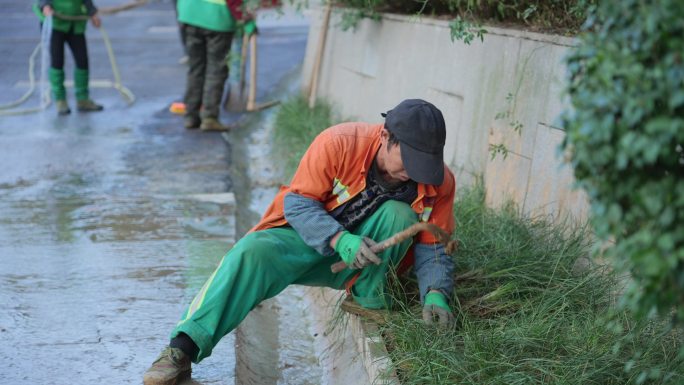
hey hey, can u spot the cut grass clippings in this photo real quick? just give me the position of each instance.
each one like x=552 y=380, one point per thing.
x=531 y=307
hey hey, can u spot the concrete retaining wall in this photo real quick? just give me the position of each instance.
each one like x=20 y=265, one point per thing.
x=513 y=78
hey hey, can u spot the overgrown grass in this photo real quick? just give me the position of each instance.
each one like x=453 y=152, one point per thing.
x=295 y=127
x=531 y=310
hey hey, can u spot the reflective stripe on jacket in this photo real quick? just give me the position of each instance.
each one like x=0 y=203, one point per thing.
x=333 y=170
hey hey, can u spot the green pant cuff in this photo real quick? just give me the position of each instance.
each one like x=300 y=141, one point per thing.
x=198 y=335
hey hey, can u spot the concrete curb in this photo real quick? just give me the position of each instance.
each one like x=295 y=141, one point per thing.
x=351 y=332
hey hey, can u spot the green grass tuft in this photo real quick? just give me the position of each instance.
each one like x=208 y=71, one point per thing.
x=296 y=126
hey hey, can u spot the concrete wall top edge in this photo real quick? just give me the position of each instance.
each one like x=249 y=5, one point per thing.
x=491 y=30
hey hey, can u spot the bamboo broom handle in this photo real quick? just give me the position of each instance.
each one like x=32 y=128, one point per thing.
x=243 y=63
x=251 y=101
x=319 y=55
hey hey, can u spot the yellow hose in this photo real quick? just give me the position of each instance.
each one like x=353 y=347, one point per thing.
x=32 y=82
x=125 y=92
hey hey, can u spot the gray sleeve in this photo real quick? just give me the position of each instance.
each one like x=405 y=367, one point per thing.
x=434 y=269
x=313 y=224
x=90 y=7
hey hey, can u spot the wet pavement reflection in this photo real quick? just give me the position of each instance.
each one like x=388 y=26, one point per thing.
x=110 y=222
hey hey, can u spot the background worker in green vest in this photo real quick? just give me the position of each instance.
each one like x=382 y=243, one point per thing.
x=72 y=32
x=209 y=28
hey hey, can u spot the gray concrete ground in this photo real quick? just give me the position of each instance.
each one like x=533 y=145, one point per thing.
x=103 y=236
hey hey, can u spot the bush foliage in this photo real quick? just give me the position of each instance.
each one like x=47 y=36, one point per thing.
x=559 y=16
x=625 y=135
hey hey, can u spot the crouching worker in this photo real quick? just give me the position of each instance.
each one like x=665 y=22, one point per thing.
x=356 y=184
x=68 y=26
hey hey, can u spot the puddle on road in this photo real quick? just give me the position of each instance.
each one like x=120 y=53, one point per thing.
x=102 y=252
x=92 y=280
x=98 y=277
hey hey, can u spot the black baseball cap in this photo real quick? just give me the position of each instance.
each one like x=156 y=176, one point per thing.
x=419 y=127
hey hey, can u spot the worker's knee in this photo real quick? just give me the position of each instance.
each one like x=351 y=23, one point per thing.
x=397 y=212
x=254 y=248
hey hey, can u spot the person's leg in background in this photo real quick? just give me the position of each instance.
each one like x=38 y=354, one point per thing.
x=218 y=48
x=196 y=47
x=56 y=71
x=79 y=49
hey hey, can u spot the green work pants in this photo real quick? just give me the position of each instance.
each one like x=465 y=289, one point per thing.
x=264 y=263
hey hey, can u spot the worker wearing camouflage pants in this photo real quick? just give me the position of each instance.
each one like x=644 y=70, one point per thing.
x=209 y=28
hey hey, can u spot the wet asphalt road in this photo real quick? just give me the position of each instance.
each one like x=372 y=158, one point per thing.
x=111 y=221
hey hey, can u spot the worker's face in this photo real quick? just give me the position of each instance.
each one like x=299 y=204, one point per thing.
x=389 y=160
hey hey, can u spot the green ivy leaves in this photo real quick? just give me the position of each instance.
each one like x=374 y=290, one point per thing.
x=625 y=133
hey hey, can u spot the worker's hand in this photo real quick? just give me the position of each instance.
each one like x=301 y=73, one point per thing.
x=95 y=19
x=250 y=27
x=355 y=250
x=48 y=11
x=436 y=307
x=365 y=255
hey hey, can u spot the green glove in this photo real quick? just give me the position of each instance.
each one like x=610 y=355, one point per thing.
x=250 y=27
x=38 y=11
x=436 y=306
x=355 y=250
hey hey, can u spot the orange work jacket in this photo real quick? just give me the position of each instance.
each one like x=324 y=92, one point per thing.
x=333 y=170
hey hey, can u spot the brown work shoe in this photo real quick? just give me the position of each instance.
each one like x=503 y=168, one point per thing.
x=191 y=122
x=62 y=107
x=212 y=124
x=171 y=367
x=87 y=105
